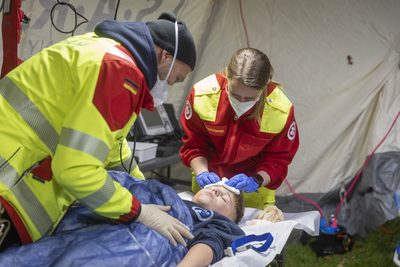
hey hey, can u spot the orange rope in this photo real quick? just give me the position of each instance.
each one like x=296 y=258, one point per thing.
x=389 y=232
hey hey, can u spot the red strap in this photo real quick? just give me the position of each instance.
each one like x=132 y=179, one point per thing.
x=11 y=30
x=19 y=225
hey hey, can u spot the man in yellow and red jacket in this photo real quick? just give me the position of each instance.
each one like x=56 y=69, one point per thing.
x=64 y=116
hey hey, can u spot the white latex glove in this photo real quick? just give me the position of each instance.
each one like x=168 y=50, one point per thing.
x=155 y=217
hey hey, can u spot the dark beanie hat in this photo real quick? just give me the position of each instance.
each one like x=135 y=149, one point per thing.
x=162 y=31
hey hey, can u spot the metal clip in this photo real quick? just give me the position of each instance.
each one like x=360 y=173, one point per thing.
x=228 y=252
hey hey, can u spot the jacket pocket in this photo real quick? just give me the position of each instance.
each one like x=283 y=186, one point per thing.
x=250 y=146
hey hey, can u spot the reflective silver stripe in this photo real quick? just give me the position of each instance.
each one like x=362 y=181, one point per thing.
x=117 y=52
x=126 y=164
x=32 y=206
x=84 y=142
x=101 y=196
x=8 y=175
x=119 y=168
x=30 y=113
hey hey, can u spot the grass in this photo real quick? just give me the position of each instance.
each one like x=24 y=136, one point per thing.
x=375 y=250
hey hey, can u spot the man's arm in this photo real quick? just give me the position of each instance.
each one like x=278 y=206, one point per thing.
x=122 y=161
x=192 y=258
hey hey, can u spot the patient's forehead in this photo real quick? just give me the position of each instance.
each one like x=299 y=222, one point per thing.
x=223 y=189
x=216 y=185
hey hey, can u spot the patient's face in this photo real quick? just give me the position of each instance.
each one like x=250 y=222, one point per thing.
x=217 y=198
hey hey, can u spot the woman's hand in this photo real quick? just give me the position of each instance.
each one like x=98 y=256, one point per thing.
x=206 y=178
x=243 y=182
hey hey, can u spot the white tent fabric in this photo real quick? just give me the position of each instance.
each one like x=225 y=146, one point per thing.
x=337 y=60
x=335 y=103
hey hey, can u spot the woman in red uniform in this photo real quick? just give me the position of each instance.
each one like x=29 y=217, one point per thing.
x=240 y=125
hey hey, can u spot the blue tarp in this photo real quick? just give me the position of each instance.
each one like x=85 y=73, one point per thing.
x=84 y=238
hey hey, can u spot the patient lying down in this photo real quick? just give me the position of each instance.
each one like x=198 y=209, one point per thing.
x=87 y=239
x=215 y=211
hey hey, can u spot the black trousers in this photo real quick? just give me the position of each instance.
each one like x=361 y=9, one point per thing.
x=12 y=236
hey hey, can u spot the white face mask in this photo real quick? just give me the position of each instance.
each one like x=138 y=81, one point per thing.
x=160 y=91
x=240 y=107
x=161 y=88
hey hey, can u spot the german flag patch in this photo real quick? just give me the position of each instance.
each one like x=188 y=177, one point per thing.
x=130 y=85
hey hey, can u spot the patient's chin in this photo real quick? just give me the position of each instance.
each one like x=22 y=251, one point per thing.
x=203 y=200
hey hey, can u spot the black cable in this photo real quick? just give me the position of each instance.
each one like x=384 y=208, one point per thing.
x=176 y=135
x=120 y=156
x=10 y=158
x=134 y=144
x=116 y=10
x=166 y=137
x=174 y=132
x=76 y=17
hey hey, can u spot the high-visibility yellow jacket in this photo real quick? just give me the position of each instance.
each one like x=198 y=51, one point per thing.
x=239 y=145
x=73 y=105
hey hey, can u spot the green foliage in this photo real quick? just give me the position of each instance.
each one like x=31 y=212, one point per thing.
x=376 y=250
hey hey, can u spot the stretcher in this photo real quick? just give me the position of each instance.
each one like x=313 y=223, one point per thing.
x=282 y=233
